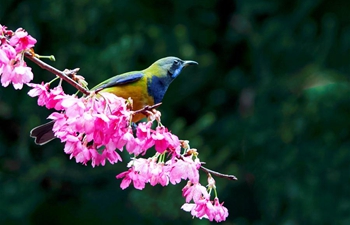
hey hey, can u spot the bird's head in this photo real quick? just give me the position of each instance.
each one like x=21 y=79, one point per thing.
x=161 y=73
x=171 y=66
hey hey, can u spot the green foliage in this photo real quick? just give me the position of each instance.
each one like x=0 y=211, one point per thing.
x=269 y=102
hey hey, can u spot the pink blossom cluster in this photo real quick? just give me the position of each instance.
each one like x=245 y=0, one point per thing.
x=202 y=206
x=50 y=98
x=155 y=171
x=97 y=127
x=94 y=126
x=13 y=69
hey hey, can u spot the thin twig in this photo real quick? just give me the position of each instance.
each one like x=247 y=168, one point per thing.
x=227 y=176
x=57 y=72
x=147 y=108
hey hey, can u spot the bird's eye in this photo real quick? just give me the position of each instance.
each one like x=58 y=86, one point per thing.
x=174 y=67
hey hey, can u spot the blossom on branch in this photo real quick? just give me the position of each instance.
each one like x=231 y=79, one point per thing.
x=204 y=208
x=22 y=41
x=13 y=69
x=96 y=127
x=92 y=127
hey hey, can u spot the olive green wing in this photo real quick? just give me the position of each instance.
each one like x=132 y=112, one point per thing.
x=119 y=80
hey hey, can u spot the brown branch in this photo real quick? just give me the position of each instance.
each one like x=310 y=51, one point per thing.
x=147 y=108
x=227 y=176
x=57 y=72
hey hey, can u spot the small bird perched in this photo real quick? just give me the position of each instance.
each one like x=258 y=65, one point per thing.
x=145 y=87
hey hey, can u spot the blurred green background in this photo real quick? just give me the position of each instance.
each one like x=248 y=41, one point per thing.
x=269 y=103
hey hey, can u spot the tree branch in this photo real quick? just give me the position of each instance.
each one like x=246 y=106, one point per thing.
x=62 y=75
x=227 y=176
x=147 y=108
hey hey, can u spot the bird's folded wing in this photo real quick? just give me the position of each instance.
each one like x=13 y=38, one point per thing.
x=119 y=80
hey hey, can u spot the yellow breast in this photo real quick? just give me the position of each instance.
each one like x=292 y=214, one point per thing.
x=137 y=92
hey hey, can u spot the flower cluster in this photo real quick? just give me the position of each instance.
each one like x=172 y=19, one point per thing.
x=155 y=171
x=93 y=127
x=13 y=69
x=203 y=207
x=97 y=126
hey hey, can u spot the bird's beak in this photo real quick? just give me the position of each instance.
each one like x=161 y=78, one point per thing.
x=189 y=62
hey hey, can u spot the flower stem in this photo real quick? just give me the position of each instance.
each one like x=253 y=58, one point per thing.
x=50 y=57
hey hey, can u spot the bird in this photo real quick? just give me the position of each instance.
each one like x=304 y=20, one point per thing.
x=145 y=87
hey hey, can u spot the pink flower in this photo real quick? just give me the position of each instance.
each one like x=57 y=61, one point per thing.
x=103 y=134
x=149 y=171
x=20 y=75
x=81 y=153
x=71 y=144
x=131 y=176
x=165 y=140
x=143 y=133
x=161 y=143
x=157 y=174
x=141 y=165
x=7 y=60
x=184 y=168
x=3 y=30
x=221 y=212
x=3 y=60
x=7 y=53
x=194 y=191
x=133 y=145
x=96 y=158
x=40 y=90
x=204 y=208
x=55 y=98
x=50 y=98
x=74 y=107
x=22 y=41
x=111 y=155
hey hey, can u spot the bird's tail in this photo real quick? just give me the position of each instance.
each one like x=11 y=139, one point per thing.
x=43 y=133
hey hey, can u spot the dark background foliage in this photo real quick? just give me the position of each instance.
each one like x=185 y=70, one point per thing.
x=269 y=102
